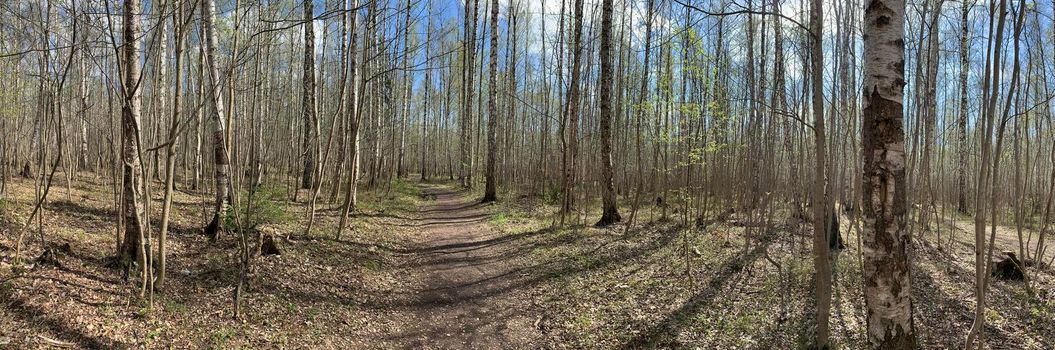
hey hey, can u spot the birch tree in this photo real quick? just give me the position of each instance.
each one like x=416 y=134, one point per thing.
x=887 y=279
x=222 y=166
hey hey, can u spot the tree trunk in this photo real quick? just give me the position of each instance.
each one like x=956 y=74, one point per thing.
x=427 y=95
x=610 y=212
x=962 y=145
x=492 y=110
x=311 y=121
x=465 y=117
x=171 y=141
x=133 y=241
x=823 y=287
x=352 y=117
x=571 y=112
x=887 y=274
x=222 y=171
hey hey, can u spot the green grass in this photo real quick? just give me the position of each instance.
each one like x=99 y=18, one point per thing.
x=154 y=333
x=499 y=218
x=401 y=197
x=219 y=338
x=3 y=212
x=172 y=306
x=372 y=265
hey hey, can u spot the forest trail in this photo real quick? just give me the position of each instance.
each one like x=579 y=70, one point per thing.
x=467 y=292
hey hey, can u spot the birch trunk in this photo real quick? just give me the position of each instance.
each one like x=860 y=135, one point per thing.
x=887 y=286
x=222 y=171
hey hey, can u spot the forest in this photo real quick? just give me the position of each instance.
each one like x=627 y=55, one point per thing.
x=527 y=174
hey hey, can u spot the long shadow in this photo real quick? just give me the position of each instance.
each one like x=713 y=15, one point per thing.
x=444 y=208
x=520 y=278
x=660 y=334
x=1001 y=299
x=1041 y=328
x=383 y=216
x=437 y=249
x=77 y=286
x=83 y=212
x=87 y=275
x=88 y=258
x=442 y=219
x=286 y=292
x=452 y=248
x=526 y=277
x=446 y=221
x=365 y=246
x=179 y=230
x=514 y=250
x=35 y=315
x=946 y=306
x=471 y=325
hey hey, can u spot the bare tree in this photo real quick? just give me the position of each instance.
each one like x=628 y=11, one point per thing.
x=352 y=117
x=311 y=120
x=465 y=116
x=492 y=110
x=400 y=168
x=610 y=212
x=823 y=279
x=175 y=129
x=571 y=112
x=133 y=243
x=222 y=167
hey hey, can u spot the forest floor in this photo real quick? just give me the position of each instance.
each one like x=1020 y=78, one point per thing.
x=425 y=266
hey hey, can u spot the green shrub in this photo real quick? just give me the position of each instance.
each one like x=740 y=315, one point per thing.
x=499 y=218
x=268 y=207
x=372 y=264
x=403 y=187
x=6 y=220
x=552 y=194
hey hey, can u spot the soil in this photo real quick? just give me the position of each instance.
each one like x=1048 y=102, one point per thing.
x=426 y=266
x=422 y=267
x=464 y=295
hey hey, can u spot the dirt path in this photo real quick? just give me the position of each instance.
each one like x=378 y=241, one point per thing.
x=466 y=292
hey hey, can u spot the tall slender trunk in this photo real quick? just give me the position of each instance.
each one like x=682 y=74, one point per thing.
x=990 y=94
x=427 y=94
x=400 y=167
x=134 y=224
x=222 y=171
x=311 y=120
x=172 y=139
x=640 y=112
x=930 y=115
x=962 y=145
x=465 y=117
x=780 y=104
x=351 y=111
x=571 y=111
x=492 y=110
x=82 y=109
x=995 y=190
x=610 y=212
x=823 y=286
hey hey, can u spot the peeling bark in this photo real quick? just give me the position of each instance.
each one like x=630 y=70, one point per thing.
x=887 y=279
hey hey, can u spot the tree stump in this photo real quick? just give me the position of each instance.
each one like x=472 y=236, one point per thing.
x=268 y=246
x=1009 y=268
